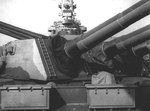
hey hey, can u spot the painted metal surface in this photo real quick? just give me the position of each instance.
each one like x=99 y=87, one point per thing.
x=26 y=63
x=25 y=97
x=69 y=98
x=110 y=96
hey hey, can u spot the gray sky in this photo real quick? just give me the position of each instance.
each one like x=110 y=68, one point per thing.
x=38 y=15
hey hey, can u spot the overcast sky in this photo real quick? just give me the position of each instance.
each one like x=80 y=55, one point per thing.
x=38 y=15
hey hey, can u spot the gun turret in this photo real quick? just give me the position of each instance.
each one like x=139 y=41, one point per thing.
x=122 y=51
x=46 y=59
x=119 y=54
x=68 y=53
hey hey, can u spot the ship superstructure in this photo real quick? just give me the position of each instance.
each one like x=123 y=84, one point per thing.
x=68 y=25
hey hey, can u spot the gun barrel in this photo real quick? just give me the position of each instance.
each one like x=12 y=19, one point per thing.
x=76 y=49
x=115 y=48
x=15 y=32
x=114 y=18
